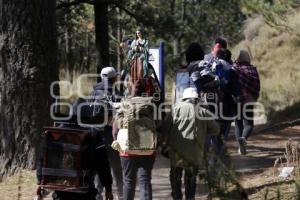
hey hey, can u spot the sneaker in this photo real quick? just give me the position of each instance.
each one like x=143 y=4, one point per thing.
x=242 y=146
x=239 y=151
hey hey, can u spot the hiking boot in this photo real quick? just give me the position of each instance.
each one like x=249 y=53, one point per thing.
x=242 y=146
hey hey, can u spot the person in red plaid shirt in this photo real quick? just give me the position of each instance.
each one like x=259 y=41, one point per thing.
x=249 y=85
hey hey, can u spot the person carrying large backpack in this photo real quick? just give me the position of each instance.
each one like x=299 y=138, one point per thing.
x=249 y=88
x=134 y=130
x=228 y=91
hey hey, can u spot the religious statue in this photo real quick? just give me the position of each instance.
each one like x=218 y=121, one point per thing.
x=138 y=57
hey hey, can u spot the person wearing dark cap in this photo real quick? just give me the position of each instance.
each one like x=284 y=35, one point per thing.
x=219 y=43
x=228 y=90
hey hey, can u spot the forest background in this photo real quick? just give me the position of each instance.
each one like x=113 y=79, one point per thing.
x=46 y=41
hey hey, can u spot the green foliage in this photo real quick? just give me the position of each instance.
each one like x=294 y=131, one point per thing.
x=176 y=22
x=216 y=18
x=182 y=20
x=297 y=183
x=278 y=193
x=222 y=180
x=273 y=11
x=76 y=39
x=275 y=53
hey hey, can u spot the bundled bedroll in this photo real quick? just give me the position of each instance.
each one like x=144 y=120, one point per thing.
x=137 y=128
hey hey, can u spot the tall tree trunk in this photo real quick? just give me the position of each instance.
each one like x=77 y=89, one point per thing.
x=119 y=38
x=67 y=52
x=101 y=34
x=28 y=65
x=70 y=56
x=176 y=47
x=88 y=56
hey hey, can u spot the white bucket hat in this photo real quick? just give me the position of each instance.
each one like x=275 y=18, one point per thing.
x=190 y=93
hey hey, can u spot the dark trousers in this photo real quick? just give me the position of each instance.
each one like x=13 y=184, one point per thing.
x=115 y=164
x=141 y=167
x=116 y=168
x=218 y=141
x=244 y=123
x=59 y=195
x=190 y=176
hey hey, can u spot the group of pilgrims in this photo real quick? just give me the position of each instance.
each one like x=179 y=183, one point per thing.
x=216 y=92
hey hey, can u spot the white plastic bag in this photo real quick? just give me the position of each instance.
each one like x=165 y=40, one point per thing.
x=286 y=172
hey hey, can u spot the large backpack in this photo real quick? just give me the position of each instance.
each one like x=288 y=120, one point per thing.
x=204 y=78
x=93 y=111
x=137 y=128
x=99 y=107
x=100 y=103
x=66 y=159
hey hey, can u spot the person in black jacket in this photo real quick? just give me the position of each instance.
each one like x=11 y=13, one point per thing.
x=106 y=91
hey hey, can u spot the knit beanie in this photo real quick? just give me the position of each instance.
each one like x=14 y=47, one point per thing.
x=243 y=56
x=194 y=52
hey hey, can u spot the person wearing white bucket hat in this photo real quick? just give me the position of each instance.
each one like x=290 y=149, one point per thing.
x=184 y=131
x=190 y=93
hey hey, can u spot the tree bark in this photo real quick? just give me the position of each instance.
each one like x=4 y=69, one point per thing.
x=28 y=65
x=101 y=34
x=119 y=38
x=176 y=47
x=88 y=53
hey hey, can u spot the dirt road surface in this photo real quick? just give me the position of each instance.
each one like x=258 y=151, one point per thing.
x=254 y=169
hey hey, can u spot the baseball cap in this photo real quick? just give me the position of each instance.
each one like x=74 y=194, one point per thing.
x=109 y=72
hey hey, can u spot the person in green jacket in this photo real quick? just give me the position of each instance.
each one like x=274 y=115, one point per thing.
x=185 y=130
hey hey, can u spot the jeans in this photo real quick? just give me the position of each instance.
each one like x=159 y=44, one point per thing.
x=244 y=124
x=190 y=176
x=115 y=164
x=140 y=166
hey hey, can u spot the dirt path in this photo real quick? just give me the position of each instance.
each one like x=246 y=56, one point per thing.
x=256 y=169
x=262 y=149
x=253 y=169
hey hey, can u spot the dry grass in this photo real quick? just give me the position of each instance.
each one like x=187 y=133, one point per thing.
x=266 y=186
x=277 y=57
x=21 y=186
